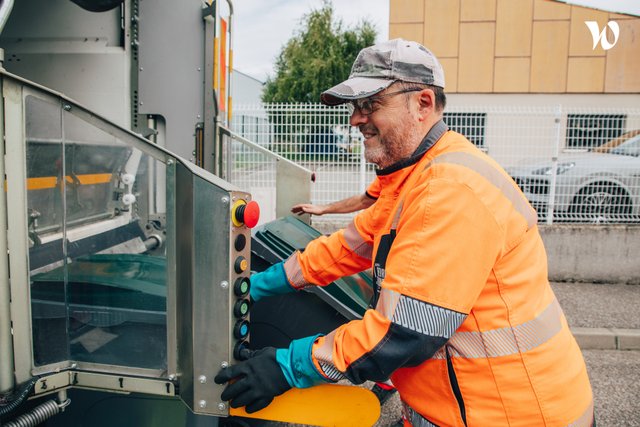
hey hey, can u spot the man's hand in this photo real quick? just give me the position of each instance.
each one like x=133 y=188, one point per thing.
x=256 y=381
x=308 y=208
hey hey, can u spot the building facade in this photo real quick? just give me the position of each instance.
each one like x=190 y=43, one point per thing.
x=522 y=46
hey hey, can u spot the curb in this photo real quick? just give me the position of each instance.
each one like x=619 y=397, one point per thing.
x=607 y=338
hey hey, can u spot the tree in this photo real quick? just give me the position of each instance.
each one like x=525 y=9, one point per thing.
x=317 y=57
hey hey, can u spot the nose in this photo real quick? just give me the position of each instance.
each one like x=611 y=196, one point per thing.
x=357 y=118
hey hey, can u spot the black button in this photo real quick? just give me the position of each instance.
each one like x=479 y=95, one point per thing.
x=240 y=242
x=241 y=286
x=241 y=329
x=241 y=350
x=241 y=308
x=241 y=264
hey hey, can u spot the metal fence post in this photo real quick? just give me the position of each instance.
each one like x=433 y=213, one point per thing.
x=554 y=164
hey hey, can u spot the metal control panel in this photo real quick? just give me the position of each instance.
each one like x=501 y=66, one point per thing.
x=212 y=271
x=245 y=214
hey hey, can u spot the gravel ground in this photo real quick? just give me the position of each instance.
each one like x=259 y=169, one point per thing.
x=589 y=305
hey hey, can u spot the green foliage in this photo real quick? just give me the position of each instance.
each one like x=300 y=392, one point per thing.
x=317 y=57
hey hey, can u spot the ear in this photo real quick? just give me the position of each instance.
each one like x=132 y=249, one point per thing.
x=426 y=103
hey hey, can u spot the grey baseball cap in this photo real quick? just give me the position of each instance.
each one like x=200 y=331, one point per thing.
x=378 y=66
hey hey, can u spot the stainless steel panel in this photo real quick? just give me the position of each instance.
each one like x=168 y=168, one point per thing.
x=212 y=299
x=17 y=228
x=172 y=282
x=293 y=186
x=6 y=340
x=171 y=70
x=184 y=281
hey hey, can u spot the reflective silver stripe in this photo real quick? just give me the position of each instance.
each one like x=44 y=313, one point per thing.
x=294 y=272
x=417 y=315
x=415 y=418
x=506 y=341
x=396 y=217
x=499 y=180
x=586 y=419
x=356 y=243
x=387 y=303
x=324 y=355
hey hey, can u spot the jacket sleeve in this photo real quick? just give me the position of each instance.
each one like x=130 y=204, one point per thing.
x=328 y=258
x=444 y=249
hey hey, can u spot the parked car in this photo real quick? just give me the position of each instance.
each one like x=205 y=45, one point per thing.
x=598 y=187
x=331 y=141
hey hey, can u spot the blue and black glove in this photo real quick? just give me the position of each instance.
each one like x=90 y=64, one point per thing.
x=268 y=373
x=272 y=281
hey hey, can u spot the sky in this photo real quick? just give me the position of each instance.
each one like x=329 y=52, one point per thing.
x=262 y=27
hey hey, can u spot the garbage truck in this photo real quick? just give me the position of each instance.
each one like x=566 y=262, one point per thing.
x=125 y=285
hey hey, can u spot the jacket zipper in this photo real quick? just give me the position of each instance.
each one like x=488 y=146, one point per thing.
x=453 y=381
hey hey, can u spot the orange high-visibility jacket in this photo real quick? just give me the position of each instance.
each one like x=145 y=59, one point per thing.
x=373 y=190
x=464 y=320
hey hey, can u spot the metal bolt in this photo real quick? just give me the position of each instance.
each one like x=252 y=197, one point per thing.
x=203 y=404
x=202 y=379
x=66 y=107
x=172 y=377
x=224 y=284
x=222 y=406
x=74 y=365
x=141 y=103
x=225 y=200
x=169 y=162
x=224 y=365
x=141 y=69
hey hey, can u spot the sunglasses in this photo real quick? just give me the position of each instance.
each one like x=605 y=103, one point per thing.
x=368 y=106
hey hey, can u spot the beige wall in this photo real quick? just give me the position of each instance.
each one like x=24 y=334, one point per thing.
x=521 y=46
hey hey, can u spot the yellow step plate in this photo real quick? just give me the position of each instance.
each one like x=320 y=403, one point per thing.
x=322 y=405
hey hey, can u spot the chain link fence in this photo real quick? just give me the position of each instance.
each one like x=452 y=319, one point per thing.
x=574 y=165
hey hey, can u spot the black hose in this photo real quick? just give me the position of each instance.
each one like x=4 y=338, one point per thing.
x=16 y=400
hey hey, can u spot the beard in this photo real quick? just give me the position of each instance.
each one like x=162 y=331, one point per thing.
x=396 y=144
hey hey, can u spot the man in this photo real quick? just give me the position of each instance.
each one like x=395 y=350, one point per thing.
x=463 y=320
x=348 y=205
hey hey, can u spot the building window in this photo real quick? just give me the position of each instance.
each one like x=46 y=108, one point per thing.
x=471 y=125
x=593 y=130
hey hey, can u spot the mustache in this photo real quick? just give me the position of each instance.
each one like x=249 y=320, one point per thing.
x=367 y=128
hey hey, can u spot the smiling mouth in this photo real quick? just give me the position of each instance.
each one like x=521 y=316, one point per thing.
x=367 y=133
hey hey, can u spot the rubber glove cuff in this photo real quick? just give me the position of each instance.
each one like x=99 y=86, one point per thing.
x=297 y=364
x=272 y=281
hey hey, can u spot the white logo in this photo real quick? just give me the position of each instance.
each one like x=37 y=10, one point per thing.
x=601 y=36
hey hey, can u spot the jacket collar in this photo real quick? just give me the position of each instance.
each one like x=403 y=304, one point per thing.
x=434 y=134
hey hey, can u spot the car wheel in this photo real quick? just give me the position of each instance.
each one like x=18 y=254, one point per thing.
x=601 y=203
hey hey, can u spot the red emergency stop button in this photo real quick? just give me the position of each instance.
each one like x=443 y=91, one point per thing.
x=247 y=213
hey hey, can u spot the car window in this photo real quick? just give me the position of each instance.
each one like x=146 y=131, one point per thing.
x=630 y=147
